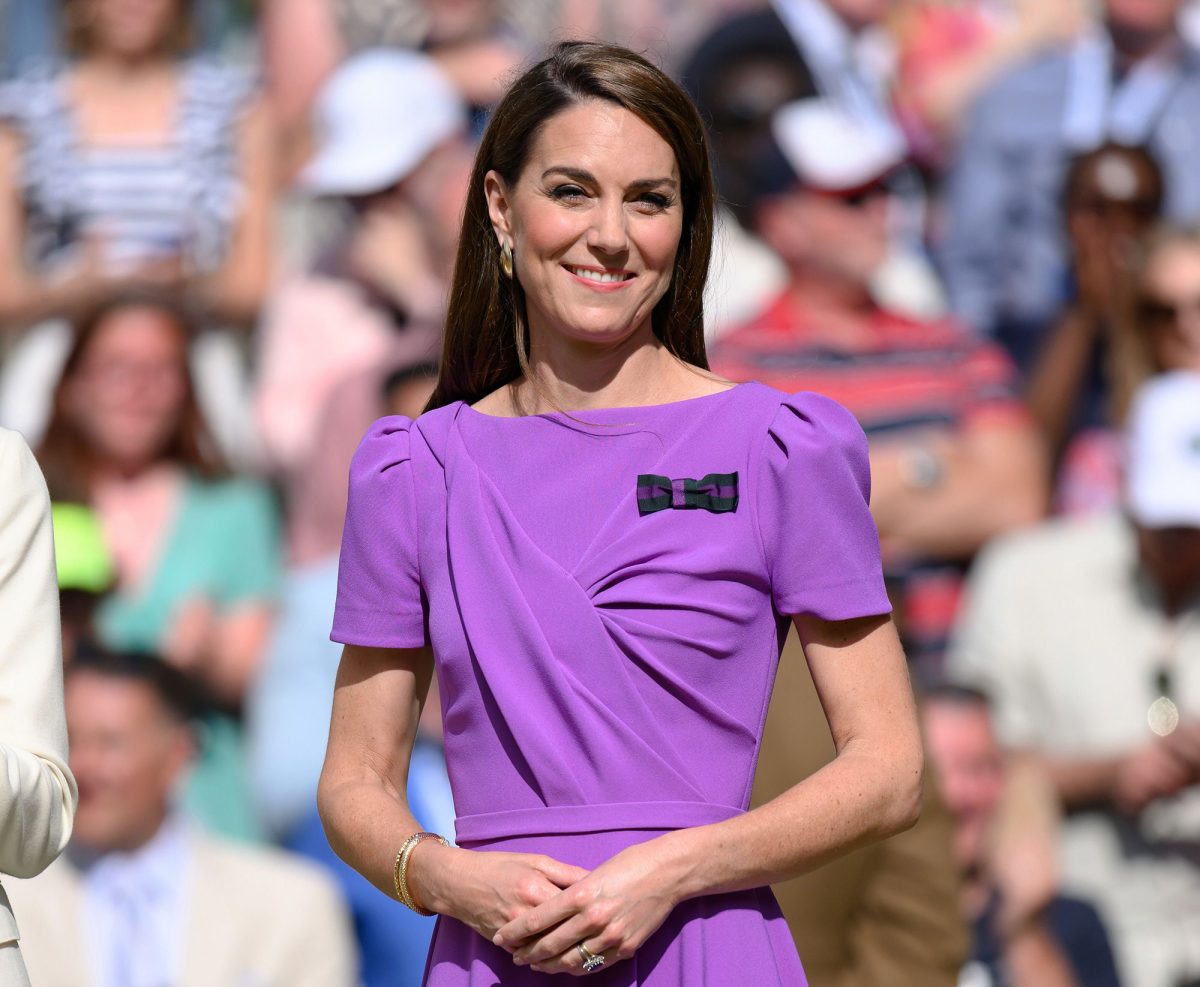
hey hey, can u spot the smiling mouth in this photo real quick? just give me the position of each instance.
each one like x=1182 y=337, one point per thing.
x=599 y=276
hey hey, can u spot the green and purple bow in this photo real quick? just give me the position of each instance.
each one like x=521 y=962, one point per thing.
x=716 y=492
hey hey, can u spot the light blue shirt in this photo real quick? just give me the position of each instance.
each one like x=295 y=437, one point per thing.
x=134 y=911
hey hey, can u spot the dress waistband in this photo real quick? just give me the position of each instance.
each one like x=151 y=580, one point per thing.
x=569 y=819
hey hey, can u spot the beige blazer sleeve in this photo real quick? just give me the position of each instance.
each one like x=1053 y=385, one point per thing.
x=37 y=790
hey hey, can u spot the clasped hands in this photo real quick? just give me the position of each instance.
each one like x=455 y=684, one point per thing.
x=538 y=908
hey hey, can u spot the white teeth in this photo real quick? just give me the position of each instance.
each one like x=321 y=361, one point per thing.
x=603 y=277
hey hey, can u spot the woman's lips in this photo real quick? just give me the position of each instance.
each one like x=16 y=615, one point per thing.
x=600 y=278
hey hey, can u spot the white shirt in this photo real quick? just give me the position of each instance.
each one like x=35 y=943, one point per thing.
x=134 y=911
x=1065 y=632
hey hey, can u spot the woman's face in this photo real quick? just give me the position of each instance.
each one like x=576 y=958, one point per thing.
x=1170 y=309
x=128 y=393
x=594 y=221
x=130 y=27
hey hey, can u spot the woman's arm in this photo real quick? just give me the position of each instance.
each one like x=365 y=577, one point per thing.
x=37 y=791
x=871 y=790
x=361 y=798
x=235 y=291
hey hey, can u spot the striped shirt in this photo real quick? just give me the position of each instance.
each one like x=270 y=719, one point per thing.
x=897 y=376
x=178 y=193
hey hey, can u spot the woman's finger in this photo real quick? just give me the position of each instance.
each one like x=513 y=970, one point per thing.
x=564 y=875
x=537 y=920
x=557 y=940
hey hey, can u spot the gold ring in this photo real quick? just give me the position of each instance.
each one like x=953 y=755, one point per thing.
x=591 y=961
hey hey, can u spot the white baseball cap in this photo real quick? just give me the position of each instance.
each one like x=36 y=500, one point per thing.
x=828 y=149
x=1163 y=478
x=377 y=118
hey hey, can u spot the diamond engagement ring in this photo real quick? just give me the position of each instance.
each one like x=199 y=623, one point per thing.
x=591 y=961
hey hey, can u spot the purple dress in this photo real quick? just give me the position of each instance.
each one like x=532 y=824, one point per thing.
x=606 y=595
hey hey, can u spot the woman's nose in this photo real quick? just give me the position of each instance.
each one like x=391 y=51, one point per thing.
x=608 y=232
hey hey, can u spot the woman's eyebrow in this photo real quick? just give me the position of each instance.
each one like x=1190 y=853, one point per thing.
x=586 y=177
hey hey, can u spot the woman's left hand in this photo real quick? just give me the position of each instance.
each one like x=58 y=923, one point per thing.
x=612 y=911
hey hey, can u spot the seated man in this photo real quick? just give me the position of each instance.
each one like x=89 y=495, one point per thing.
x=955 y=459
x=1087 y=636
x=1025 y=933
x=140 y=899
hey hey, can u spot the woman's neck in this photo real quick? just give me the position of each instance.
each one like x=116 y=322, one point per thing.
x=569 y=374
x=120 y=69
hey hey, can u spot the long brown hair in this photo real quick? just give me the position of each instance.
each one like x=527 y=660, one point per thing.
x=67 y=458
x=485 y=344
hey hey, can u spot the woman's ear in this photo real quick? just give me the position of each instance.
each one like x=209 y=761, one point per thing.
x=495 y=189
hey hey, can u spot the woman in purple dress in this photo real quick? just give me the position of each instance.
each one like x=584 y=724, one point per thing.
x=598 y=545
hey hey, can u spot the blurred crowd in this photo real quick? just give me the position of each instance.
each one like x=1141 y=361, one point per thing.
x=226 y=233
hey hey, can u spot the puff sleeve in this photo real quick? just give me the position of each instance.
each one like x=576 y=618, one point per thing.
x=379 y=597
x=812 y=505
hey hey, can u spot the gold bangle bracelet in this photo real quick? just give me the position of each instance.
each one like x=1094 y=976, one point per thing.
x=400 y=869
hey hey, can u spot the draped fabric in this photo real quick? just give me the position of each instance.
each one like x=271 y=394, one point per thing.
x=605 y=673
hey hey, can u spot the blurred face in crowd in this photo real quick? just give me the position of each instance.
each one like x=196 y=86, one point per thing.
x=594 y=220
x=860 y=13
x=1117 y=194
x=131 y=27
x=840 y=239
x=1141 y=23
x=127 y=753
x=128 y=392
x=437 y=189
x=963 y=747
x=1169 y=307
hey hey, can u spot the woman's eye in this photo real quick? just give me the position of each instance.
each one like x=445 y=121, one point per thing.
x=568 y=193
x=654 y=201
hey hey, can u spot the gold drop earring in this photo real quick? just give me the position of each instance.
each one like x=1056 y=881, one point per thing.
x=506 y=259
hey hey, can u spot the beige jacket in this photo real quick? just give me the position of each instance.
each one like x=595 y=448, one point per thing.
x=37 y=791
x=255 y=918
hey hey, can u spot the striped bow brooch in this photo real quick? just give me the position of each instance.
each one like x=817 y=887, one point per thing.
x=716 y=492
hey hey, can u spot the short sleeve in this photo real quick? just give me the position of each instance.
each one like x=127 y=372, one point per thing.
x=379 y=598
x=813 y=510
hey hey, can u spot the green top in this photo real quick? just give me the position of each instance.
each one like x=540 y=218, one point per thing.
x=223 y=546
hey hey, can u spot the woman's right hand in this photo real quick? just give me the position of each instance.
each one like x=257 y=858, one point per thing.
x=485 y=889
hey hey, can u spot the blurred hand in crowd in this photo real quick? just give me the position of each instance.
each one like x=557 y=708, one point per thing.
x=1158 y=769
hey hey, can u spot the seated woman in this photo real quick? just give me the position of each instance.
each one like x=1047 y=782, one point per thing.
x=130 y=162
x=195 y=551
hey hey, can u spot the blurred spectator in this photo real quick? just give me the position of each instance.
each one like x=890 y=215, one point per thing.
x=393 y=155
x=142 y=898
x=1112 y=197
x=740 y=75
x=1086 y=633
x=850 y=55
x=195 y=552
x=1132 y=80
x=954 y=459
x=886 y=914
x=479 y=44
x=948 y=52
x=1152 y=325
x=1026 y=934
x=132 y=163
x=288 y=717
x=37 y=791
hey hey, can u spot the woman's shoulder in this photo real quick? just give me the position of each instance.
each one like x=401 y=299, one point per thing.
x=808 y=417
x=33 y=96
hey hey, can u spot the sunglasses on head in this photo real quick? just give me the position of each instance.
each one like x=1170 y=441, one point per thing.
x=1162 y=312
x=859 y=196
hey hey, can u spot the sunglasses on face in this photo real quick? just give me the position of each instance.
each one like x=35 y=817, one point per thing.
x=1106 y=209
x=1157 y=312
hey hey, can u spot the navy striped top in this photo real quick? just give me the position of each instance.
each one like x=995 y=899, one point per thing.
x=174 y=194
